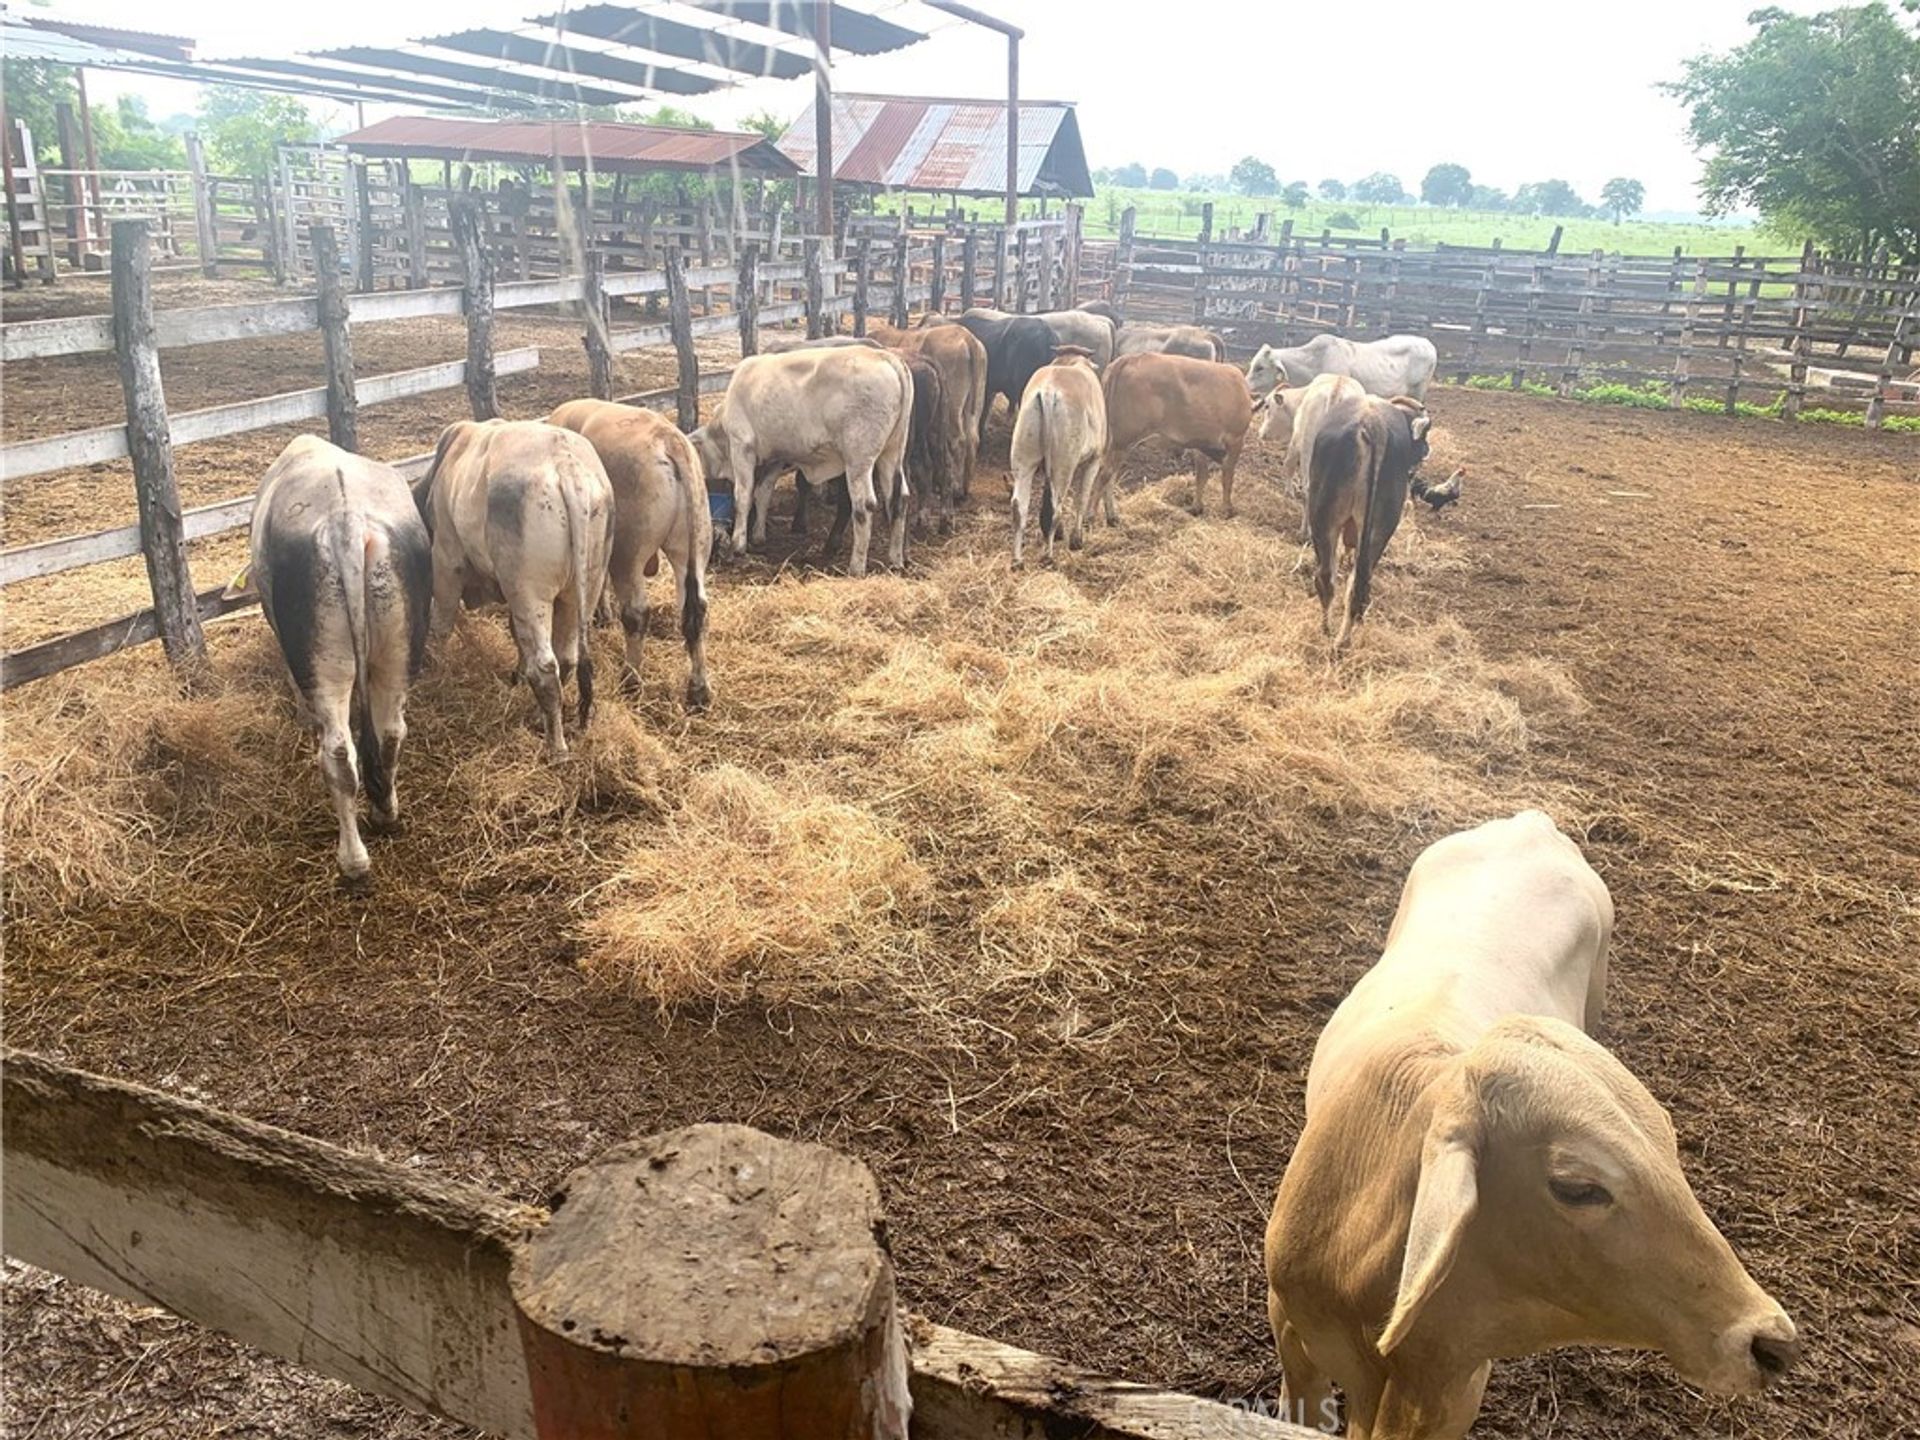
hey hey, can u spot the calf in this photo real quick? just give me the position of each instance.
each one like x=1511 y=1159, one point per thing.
x=1397 y=365
x=1478 y=1178
x=1058 y=435
x=1363 y=458
x=837 y=411
x=962 y=362
x=345 y=573
x=523 y=512
x=1198 y=405
x=659 y=505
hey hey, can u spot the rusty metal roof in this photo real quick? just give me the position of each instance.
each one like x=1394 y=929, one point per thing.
x=910 y=142
x=609 y=144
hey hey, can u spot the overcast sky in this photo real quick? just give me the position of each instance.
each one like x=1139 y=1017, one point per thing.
x=1515 y=91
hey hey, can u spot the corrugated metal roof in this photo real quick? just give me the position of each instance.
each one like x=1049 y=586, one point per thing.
x=908 y=142
x=610 y=145
x=854 y=31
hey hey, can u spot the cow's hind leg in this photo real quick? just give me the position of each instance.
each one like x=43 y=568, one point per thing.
x=533 y=627
x=692 y=579
x=1227 y=466
x=329 y=704
x=1199 y=483
x=387 y=705
x=1308 y=1397
x=861 y=500
x=629 y=583
x=1323 y=558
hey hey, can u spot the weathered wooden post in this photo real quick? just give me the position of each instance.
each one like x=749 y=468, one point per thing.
x=1899 y=352
x=205 y=232
x=363 y=209
x=150 y=442
x=465 y=217
x=416 y=223
x=680 y=322
x=969 y=268
x=862 y=275
x=937 y=282
x=1206 y=223
x=1043 y=301
x=1801 y=346
x=336 y=337
x=1020 y=273
x=746 y=298
x=902 y=273
x=1123 y=261
x=599 y=352
x=810 y=248
x=1683 y=357
x=1001 y=260
x=753 y=1296
x=289 y=224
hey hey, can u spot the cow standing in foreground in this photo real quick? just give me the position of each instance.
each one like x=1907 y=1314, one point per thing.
x=659 y=506
x=1397 y=365
x=1362 y=463
x=1059 y=436
x=523 y=512
x=1478 y=1178
x=834 y=411
x=344 y=567
x=1198 y=405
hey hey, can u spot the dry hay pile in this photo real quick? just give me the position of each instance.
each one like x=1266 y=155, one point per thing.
x=897 y=785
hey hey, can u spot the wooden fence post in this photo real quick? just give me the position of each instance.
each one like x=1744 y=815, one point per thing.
x=1536 y=284
x=1020 y=273
x=937 y=282
x=902 y=273
x=680 y=322
x=969 y=268
x=1899 y=350
x=810 y=248
x=363 y=208
x=150 y=442
x=1000 y=261
x=336 y=337
x=1683 y=357
x=1576 y=352
x=656 y=1347
x=1123 y=261
x=416 y=223
x=206 y=234
x=862 y=275
x=599 y=352
x=1802 y=344
x=746 y=298
x=1043 y=299
x=1206 y=223
x=465 y=216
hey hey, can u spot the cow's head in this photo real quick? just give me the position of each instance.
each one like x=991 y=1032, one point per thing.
x=1276 y=411
x=712 y=450
x=1551 y=1210
x=1263 y=371
x=1419 y=423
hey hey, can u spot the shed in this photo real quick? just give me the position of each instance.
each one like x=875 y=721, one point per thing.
x=915 y=142
x=610 y=146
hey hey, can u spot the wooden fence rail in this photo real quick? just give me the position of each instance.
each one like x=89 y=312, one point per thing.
x=457 y=1302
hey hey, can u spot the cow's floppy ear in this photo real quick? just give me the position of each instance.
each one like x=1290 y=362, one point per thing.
x=1443 y=1206
x=1422 y=423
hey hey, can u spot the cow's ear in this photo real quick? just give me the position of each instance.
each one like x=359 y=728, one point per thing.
x=1443 y=1206
x=1422 y=423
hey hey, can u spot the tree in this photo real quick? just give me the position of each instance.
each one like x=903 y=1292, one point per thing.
x=765 y=122
x=1486 y=197
x=1294 y=197
x=125 y=138
x=241 y=128
x=1548 y=197
x=1163 y=179
x=1623 y=197
x=1332 y=190
x=1447 y=184
x=33 y=88
x=1253 y=176
x=1379 y=188
x=1813 y=122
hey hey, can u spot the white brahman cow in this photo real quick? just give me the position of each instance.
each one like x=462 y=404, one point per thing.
x=1397 y=365
x=1059 y=435
x=1478 y=1178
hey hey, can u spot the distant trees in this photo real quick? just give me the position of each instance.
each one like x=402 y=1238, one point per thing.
x=1447 y=184
x=1253 y=176
x=1164 y=179
x=1813 y=122
x=1623 y=197
x=1133 y=174
x=241 y=128
x=1294 y=197
x=1342 y=220
x=1379 y=188
x=1206 y=183
x=1486 y=197
x=1332 y=190
x=1549 y=197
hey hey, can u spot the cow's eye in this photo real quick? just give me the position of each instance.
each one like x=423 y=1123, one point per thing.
x=1579 y=1192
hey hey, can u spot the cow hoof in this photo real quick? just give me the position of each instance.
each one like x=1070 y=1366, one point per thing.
x=699 y=698
x=383 y=823
x=356 y=875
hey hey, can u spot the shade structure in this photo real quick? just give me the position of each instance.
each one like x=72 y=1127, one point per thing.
x=609 y=146
x=914 y=142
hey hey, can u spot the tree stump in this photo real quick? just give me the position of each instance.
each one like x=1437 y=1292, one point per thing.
x=714 y=1281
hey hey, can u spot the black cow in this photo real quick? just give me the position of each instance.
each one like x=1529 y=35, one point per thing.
x=1364 y=455
x=1017 y=346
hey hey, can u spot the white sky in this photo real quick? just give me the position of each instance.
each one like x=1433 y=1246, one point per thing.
x=1513 y=89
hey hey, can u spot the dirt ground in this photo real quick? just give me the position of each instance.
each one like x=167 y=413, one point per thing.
x=1080 y=1159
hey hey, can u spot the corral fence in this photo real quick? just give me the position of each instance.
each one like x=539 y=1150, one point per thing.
x=887 y=272
x=1805 y=330
x=710 y=1281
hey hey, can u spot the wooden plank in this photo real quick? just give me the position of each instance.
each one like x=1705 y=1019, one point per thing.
x=51 y=557
x=151 y=448
x=36 y=662
x=336 y=334
x=400 y=1283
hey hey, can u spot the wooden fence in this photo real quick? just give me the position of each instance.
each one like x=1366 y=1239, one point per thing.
x=653 y=1304
x=886 y=278
x=1808 y=328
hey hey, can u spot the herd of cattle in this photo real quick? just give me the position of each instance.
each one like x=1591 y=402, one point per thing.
x=1477 y=1177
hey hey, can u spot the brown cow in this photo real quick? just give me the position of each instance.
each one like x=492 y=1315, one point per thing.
x=962 y=362
x=1199 y=405
x=1362 y=463
x=659 y=504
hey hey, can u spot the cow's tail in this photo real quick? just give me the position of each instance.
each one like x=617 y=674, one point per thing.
x=587 y=579
x=691 y=477
x=1040 y=421
x=1371 y=453
x=351 y=543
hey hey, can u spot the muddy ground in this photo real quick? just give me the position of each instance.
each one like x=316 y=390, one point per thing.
x=1088 y=1173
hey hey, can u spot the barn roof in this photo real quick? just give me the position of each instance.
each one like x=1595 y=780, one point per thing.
x=610 y=145
x=916 y=142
